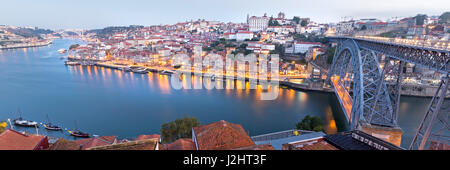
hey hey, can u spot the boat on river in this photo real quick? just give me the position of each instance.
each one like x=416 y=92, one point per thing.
x=71 y=63
x=126 y=68
x=138 y=69
x=166 y=72
x=50 y=126
x=62 y=51
x=78 y=133
x=25 y=123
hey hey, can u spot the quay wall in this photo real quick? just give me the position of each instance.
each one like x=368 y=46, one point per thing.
x=407 y=89
x=24 y=45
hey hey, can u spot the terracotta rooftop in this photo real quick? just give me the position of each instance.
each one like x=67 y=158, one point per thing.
x=181 y=144
x=63 y=144
x=143 y=137
x=95 y=141
x=13 y=140
x=257 y=147
x=221 y=135
x=148 y=144
x=316 y=144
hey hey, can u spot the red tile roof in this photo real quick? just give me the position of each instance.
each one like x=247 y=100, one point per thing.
x=13 y=140
x=314 y=144
x=95 y=141
x=221 y=135
x=143 y=137
x=63 y=144
x=257 y=147
x=181 y=144
x=148 y=144
x=322 y=145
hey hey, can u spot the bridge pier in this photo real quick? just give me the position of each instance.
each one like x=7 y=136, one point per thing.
x=389 y=134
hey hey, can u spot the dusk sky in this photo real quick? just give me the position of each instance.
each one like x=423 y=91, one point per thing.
x=88 y=14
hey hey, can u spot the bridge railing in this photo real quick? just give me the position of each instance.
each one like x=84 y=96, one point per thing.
x=434 y=44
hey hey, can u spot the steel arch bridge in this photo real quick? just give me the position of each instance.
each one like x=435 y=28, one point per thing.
x=367 y=76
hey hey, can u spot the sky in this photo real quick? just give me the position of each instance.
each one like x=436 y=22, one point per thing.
x=91 y=14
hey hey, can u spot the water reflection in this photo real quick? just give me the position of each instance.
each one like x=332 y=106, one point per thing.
x=241 y=90
x=102 y=98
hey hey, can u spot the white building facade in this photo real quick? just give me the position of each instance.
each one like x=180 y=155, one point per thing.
x=256 y=24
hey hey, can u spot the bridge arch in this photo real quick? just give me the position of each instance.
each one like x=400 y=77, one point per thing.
x=357 y=80
x=376 y=73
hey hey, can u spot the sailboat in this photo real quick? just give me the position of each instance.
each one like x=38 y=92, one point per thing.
x=25 y=123
x=50 y=126
x=78 y=133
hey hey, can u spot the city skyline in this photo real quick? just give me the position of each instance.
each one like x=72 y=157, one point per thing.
x=84 y=14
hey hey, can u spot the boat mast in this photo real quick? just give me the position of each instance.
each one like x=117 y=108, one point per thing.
x=20 y=113
x=76 y=128
x=48 y=119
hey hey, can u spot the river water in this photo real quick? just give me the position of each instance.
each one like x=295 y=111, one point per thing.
x=106 y=102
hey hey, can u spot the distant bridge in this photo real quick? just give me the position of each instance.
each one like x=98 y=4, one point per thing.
x=358 y=73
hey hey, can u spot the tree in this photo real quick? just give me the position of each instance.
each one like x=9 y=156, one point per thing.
x=243 y=46
x=420 y=19
x=296 y=20
x=310 y=123
x=273 y=23
x=445 y=18
x=330 y=51
x=180 y=128
x=304 y=23
x=364 y=27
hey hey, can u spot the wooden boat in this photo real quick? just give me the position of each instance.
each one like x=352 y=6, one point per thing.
x=140 y=71
x=78 y=133
x=165 y=72
x=62 y=50
x=50 y=126
x=25 y=123
x=71 y=63
x=126 y=68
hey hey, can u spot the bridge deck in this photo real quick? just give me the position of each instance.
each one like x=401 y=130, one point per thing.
x=344 y=97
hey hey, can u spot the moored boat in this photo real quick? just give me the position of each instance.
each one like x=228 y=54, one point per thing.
x=25 y=123
x=125 y=68
x=166 y=72
x=50 y=126
x=140 y=70
x=72 y=63
x=78 y=133
x=62 y=50
x=22 y=122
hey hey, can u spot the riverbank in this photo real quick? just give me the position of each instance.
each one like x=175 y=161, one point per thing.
x=425 y=91
x=26 y=45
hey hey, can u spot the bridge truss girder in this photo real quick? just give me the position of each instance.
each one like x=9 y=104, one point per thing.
x=358 y=69
x=384 y=107
x=433 y=59
x=434 y=126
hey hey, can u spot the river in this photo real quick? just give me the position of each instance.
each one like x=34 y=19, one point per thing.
x=107 y=102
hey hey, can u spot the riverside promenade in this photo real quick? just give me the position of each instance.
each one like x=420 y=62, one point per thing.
x=25 y=45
